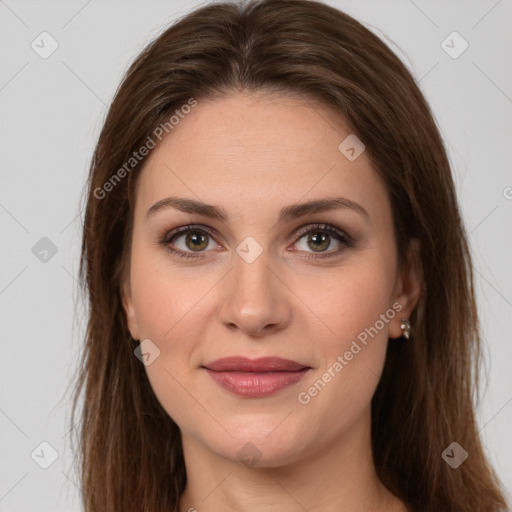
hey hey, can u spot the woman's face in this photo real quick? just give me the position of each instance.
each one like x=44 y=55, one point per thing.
x=266 y=281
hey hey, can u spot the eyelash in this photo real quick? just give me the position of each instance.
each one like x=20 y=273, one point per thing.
x=339 y=235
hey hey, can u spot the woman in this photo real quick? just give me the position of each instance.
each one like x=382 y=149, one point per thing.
x=282 y=312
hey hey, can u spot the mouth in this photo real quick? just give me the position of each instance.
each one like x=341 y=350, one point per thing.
x=255 y=378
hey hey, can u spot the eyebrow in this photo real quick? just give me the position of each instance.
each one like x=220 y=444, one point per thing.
x=286 y=214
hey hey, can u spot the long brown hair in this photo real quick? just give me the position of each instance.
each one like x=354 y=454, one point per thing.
x=130 y=455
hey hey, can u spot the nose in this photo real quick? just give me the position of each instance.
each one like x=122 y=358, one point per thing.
x=256 y=300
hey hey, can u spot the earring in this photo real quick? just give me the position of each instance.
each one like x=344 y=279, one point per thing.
x=406 y=328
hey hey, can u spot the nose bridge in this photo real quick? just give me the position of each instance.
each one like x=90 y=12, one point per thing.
x=255 y=298
x=252 y=278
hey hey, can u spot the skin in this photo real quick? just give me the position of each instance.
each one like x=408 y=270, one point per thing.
x=253 y=154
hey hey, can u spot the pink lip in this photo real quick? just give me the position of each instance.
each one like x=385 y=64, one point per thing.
x=255 y=377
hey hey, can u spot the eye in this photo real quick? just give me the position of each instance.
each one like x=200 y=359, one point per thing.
x=193 y=241
x=320 y=237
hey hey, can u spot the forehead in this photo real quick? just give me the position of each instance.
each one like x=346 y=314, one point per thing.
x=258 y=151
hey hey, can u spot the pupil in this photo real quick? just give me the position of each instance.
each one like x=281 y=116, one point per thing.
x=197 y=240
x=319 y=238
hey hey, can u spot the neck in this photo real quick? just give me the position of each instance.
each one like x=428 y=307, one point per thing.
x=338 y=476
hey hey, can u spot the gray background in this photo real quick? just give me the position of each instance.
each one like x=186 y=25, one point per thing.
x=51 y=113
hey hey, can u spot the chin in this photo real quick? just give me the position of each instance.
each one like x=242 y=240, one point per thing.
x=258 y=448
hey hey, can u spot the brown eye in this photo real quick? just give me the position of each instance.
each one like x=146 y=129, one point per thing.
x=319 y=242
x=321 y=237
x=196 y=240
x=188 y=242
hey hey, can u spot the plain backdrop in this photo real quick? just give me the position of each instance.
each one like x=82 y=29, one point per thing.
x=51 y=111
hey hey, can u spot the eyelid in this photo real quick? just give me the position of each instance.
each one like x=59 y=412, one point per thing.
x=322 y=226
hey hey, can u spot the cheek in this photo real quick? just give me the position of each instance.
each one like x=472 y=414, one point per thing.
x=350 y=298
x=166 y=297
x=171 y=307
x=355 y=305
x=340 y=391
x=167 y=306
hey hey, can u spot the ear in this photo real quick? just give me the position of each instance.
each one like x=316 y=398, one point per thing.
x=407 y=288
x=129 y=308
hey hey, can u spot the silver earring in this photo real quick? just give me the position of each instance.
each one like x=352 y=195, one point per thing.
x=406 y=328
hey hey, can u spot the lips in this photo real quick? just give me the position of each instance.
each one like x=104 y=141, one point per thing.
x=255 y=377
x=262 y=364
